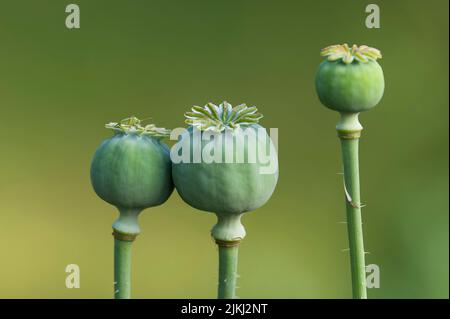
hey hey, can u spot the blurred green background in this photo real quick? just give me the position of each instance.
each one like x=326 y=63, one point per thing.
x=157 y=58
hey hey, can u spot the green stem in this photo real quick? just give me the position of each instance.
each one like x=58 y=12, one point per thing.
x=228 y=260
x=349 y=133
x=122 y=269
x=228 y=233
x=126 y=228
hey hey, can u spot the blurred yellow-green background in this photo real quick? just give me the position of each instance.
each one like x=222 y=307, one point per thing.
x=157 y=58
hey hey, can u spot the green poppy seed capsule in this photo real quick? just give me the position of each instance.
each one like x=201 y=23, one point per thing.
x=132 y=171
x=228 y=166
x=227 y=187
x=350 y=80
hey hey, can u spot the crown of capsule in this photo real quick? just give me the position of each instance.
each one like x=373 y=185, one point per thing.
x=224 y=116
x=133 y=125
x=343 y=52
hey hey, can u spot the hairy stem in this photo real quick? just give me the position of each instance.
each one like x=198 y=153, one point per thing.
x=228 y=260
x=122 y=269
x=354 y=223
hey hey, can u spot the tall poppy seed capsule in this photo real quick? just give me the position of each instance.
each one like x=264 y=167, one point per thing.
x=226 y=186
x=351 y=81
x=132 y=171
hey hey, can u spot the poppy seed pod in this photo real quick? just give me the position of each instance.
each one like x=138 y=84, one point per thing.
x=223 y=172
x=350 y=80
x=226 y=186
x=132 y=171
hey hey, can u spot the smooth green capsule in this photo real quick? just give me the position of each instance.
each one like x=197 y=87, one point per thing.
x=235 y=184
x=132 y=171
x=350 y=80
x=228 y=188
